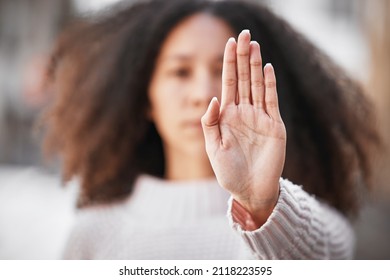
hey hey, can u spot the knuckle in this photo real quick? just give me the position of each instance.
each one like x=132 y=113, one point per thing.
x=270 y=84
x=272 y=104
x=229 y=62
x=255 y=63
x=242 y=53
x=244 y=76
x=258 y=83
x=229 y=82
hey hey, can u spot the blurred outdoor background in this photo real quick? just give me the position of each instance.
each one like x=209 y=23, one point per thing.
x=36 y=212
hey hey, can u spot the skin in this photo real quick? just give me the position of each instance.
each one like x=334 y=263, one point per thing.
x=186 y=77
x=243 y=135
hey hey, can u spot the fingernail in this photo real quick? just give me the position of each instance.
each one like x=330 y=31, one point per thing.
x=231 y=39
x=246 y=31
x=268 y=66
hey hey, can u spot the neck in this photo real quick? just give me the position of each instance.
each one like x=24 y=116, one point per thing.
x=183 y=166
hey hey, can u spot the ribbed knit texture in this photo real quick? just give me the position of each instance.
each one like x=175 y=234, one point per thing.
x=300 y=227
x=187 y=220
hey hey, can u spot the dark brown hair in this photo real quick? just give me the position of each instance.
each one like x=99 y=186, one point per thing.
x=101 y=69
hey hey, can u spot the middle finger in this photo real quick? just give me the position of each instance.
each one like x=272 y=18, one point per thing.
x=243 y=67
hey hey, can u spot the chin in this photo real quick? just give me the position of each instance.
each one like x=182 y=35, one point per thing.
x=196 y=148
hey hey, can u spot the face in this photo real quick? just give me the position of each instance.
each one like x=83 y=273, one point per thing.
x=187 y=76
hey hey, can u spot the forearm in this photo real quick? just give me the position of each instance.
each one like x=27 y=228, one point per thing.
x=300 y=227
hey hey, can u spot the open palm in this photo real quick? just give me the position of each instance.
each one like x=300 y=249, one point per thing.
x=245 y=135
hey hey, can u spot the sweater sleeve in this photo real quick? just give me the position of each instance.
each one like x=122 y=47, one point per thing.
x=300 y=227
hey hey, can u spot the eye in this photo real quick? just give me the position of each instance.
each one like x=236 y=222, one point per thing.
x=181 y=72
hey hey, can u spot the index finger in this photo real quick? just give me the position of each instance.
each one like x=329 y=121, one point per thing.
x=229 y=76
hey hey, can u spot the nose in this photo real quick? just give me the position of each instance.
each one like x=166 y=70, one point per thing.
x=205 y=87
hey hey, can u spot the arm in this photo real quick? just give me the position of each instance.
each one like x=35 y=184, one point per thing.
x=245 y=135
x=300 y=227
x=246 y=143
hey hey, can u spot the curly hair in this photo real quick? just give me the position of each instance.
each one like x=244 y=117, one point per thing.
x=101 y=69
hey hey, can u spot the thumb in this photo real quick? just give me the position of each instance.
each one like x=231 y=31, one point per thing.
x=210 y=124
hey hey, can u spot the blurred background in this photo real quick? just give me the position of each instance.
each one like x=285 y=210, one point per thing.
x=36 y=211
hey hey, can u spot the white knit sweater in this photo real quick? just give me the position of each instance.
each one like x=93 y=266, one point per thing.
x=187 y=220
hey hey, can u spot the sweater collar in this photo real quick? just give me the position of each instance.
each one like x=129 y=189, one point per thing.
x=165 y=201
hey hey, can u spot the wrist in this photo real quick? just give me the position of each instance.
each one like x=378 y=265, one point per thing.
x=251 y=212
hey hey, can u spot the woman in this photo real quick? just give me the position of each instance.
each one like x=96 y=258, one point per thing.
x=144 y=118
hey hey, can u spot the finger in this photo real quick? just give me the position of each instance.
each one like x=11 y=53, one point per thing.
x=229 y=77
x=243 y=69
x=210 y=124
x=257 y=80
x=271 y=96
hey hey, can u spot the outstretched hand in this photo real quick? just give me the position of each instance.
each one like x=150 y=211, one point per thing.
x=245 y=135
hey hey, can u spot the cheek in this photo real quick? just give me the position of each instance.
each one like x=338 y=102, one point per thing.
x=218 y=87
x=165 y=99
x=166 y=105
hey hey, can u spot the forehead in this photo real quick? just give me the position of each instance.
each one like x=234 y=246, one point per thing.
x=198 y=35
